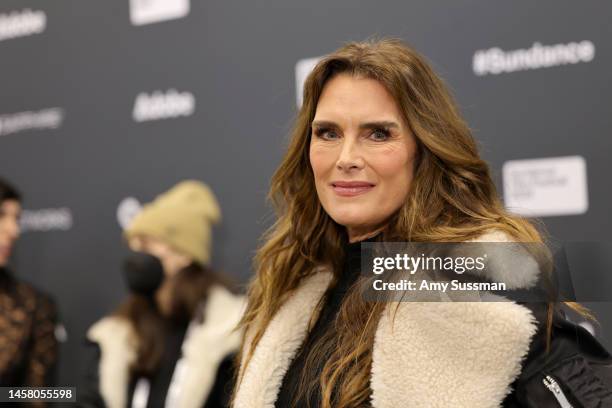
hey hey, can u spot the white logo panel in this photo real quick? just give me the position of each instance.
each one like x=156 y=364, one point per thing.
x=50 y=118
x=163 y=105
x=47 y=219
x=22 y=23
x=496 y=61
x=154 y=11
x=302 y=70
x=546 y=187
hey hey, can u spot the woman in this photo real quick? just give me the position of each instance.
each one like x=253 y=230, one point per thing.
x=28 y=347
x=380 y=153
x=172 y=341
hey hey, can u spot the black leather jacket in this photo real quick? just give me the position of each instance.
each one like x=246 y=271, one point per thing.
x=575 y=372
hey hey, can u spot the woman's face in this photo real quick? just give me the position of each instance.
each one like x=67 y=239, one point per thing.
x=171 y=260
x=10 y=210
x=362 y=154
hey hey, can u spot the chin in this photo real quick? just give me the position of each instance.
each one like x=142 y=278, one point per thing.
x=350 y=220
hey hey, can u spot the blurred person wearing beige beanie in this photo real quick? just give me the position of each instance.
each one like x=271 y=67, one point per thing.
x=172 y=342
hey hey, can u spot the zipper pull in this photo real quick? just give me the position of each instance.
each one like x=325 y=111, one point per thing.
x=553 y=387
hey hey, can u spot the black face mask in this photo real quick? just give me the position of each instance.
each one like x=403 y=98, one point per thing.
x=143 y=273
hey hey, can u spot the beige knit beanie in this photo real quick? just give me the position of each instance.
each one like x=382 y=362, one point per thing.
x=182 y=217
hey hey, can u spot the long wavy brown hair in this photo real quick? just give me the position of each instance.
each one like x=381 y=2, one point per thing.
x=452 y=198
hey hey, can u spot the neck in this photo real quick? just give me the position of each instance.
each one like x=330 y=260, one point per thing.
x=359 y=235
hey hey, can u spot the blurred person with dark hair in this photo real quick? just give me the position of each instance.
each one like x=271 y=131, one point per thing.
x=172 y=342
x=28 y=346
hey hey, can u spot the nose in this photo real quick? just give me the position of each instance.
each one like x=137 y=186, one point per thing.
x=350 y=157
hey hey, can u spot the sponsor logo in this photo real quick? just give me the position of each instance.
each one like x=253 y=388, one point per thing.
x=546 y=187
x=163 y=105
x=22 y=23
x=126 y=211
x=496 y=61
x=47 y=219
x=50 y=118
x=302 y=69
x=153 y=11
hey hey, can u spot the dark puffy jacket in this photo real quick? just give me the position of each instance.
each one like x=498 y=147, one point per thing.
x=576 y=371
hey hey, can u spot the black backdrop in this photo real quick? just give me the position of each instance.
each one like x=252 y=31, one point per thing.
x=220 y=79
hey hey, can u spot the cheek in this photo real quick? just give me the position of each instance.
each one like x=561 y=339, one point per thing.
x=322 y=160
x=6 y=225
x=395 y=171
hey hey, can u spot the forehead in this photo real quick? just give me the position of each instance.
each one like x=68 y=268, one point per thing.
x=143 y=241
x=10 y=207
x=351 y=97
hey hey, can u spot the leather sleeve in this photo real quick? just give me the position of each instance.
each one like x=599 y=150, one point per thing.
x=579 y=365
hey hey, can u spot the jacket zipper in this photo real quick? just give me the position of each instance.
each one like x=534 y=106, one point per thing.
x=556 y=390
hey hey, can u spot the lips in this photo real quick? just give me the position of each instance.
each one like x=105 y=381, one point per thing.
x=351 y=188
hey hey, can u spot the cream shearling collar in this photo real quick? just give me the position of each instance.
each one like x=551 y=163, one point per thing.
x=203 y=349
x=462 y=354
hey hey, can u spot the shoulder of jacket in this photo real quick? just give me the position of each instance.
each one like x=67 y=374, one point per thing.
x=493 y=235
x=223 y=306
x=216 y=332
x=30 y=291
x=117 y=351
x=468 y=352
x=111 y=329
x=220 y=296
x=511 y=262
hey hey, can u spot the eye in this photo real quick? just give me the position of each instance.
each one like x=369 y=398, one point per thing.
x=380 y=135
x=326 y=133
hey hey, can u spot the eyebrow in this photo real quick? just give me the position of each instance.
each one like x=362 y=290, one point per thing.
x=385 y=124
